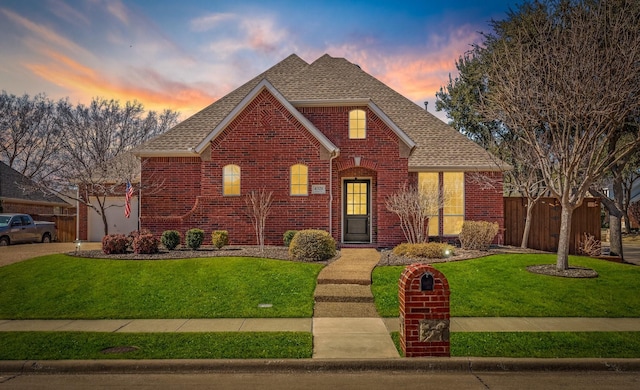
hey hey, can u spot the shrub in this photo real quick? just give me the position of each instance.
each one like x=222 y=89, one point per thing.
x=478 y=235
x=135 y=234
x=288 y=236
x=220 y=238
x=114 y=244
x=194 y=238
x=589 y=246
x=145 y=244
x=312 y=245
x=170 y=239
x=429 y=250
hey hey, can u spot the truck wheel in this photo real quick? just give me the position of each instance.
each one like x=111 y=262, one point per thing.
x=46 y=238
x=4 y=241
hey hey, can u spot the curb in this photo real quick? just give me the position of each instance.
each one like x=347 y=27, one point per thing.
x=306 y=365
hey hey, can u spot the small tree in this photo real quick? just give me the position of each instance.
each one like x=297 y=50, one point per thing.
x=258 y=208
x=413 y=206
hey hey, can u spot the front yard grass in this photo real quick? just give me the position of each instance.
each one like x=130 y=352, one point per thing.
x=65 y=287
x=500 y=286
x=543 y=344
x=80 y=345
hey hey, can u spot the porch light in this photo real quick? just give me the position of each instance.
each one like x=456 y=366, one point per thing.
x=357 y=160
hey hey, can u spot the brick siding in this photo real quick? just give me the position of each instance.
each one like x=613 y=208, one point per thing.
x=265 y=140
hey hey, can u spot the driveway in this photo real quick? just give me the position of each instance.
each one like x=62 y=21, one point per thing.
x=15 y=253
x=631 y=252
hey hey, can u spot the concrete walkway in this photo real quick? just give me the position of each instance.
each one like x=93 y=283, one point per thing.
x=345 y=321
x=353 y=326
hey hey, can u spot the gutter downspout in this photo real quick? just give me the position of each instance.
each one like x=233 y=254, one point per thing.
x=78 y=214
x=334 y=155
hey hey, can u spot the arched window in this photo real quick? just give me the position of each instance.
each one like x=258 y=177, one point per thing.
x=357 y=124
x=299 y=179
x=231 y=180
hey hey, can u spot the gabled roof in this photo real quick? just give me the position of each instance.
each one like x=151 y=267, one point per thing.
x=266 y=85
x=17 y=187
x=335 y=81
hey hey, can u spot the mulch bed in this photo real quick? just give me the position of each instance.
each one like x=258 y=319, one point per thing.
x=269 y=252
x=572 y=272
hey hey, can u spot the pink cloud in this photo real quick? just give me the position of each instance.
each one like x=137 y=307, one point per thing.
x=418 y=75
x=87 y=83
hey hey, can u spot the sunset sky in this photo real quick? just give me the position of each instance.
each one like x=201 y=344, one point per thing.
x=186 y=54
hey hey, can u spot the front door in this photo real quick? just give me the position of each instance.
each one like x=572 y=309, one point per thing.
x=357 y=211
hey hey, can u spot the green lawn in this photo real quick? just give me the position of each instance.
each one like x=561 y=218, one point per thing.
x=61 y=286
x=79 y=345
x=500 y=286
x=543 y=344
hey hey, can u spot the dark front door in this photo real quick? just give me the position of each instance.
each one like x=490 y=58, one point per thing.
x=357 y=211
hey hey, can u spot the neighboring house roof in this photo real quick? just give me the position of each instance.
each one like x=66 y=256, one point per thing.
x=332 y=81
x=16 y=187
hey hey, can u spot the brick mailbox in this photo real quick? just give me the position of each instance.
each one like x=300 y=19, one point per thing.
x=424 y=311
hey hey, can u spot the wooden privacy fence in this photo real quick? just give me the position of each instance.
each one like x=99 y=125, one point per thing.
x=545 y=223
x=65 y=225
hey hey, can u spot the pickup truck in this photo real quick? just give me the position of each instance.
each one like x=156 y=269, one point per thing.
x=15 y=228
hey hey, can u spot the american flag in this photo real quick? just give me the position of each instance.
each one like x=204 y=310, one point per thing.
x=127 y=199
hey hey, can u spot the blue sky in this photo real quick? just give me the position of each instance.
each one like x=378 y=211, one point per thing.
x=186 y=54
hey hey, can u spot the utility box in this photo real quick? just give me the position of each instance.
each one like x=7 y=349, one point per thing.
x=424 y=312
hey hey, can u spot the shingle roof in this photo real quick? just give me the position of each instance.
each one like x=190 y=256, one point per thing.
x=438 y=145
x=14 y=185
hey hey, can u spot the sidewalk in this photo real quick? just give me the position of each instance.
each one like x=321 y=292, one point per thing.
x=357 y=325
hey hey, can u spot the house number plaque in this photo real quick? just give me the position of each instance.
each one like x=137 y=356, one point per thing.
x=318 y=189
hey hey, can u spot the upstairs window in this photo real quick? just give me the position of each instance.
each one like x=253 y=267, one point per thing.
x=231 y=180
x=357 y=124
x=299 y=180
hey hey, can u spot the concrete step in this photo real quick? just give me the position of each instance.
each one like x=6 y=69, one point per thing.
x=344 y=309
x=343 y=293
x=362 y=282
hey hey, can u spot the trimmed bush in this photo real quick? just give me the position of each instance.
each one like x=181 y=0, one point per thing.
x=312 y=245
x=288 y=236
x=429 y=250
x=135 y=234
x=114 y=244
x=170 y=239
x=220 y=238
x=194 y=238
x=145 y=244
x=478 y=235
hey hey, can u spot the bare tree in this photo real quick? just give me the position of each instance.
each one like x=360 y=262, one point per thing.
x=414 y=206
x=258 y=209
x=564 y=75
x=97 y=148
x=461 y=99
x=30 y=135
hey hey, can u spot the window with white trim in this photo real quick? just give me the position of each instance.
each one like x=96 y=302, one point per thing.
x=299 y=180
x=445 y=192
x=231 y=180
x=357 y=124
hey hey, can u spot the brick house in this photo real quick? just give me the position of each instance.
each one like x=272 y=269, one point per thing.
x=330 y=141
x=20 y=195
